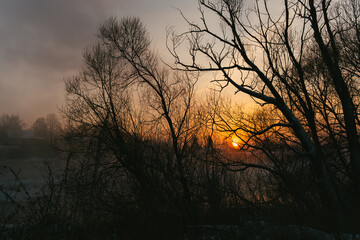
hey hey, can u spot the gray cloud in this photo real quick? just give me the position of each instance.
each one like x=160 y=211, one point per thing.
x=41 y=43
x=44 y=32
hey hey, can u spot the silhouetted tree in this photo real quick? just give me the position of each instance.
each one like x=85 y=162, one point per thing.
x=269 y=56
x=53 y=126
x=40 y=128
x=11 y=123
x=148 y=134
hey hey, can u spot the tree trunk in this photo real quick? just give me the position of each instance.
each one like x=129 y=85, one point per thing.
x=331 y=60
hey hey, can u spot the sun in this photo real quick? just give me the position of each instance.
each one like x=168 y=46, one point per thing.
x=235 y=144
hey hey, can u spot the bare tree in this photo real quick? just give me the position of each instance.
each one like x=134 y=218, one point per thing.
x=266 y=55
x=131 y=100
x=40 y=128
x=10 y=123
x=54 y=127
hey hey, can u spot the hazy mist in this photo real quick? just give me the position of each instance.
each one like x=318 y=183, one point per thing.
x=42 y=43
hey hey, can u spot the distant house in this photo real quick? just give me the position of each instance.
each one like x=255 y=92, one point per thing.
x=26 y=134
x=12 y=133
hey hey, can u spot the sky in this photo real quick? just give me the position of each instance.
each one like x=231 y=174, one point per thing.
x=41 y=44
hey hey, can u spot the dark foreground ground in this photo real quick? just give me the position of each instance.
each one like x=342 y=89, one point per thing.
x=23 y=174
x=250 y=230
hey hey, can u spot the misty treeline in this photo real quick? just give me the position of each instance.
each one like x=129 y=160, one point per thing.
x=48 y=128
x=147 y=156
